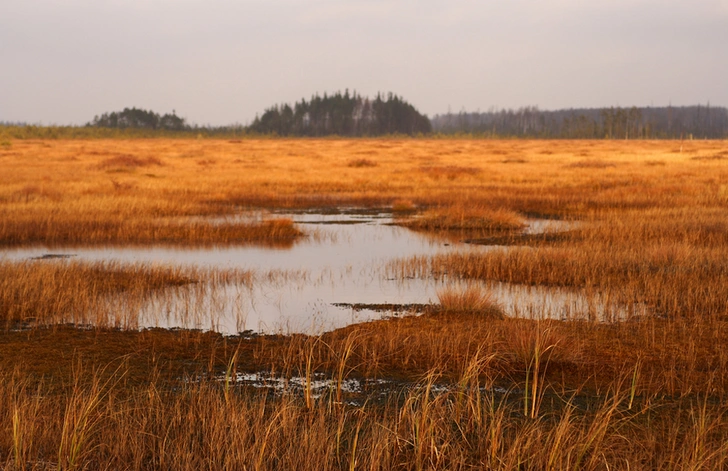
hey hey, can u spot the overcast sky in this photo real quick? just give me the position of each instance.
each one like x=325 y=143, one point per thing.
x=222 y=61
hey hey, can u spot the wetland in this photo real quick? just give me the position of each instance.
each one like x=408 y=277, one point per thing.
x=264 y=304
x=343 y=270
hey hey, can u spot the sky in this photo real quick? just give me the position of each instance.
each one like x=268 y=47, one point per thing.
x=219 y=62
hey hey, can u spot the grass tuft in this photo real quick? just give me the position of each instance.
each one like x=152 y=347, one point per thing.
x=470 y=220
x=472 y=299
x=592 y=163
x=359 y=163
x=62 y=229
x=403 y=206
x=128 y=161
x=642 y=392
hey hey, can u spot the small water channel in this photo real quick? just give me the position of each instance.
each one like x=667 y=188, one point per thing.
x=312 y=286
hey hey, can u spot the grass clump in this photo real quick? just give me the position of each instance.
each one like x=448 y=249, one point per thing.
x=42 y=292
x=472 y=299
x=449 y=172
x=474 y=221
x=403 y=206
x=592 y=163
x=102 y=294
x=647 y=392
x=128 y=161
x=93 y=228
x=97 y=419
x=280 y=228
x=359 y=163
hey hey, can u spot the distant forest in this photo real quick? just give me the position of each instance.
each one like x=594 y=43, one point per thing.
x=351 y=115
x=340 y=114
x=670 y=122
x=135 y=118
x=343 y=115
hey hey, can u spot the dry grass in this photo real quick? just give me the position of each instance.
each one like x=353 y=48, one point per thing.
x=358 y=163
x=515 y=160
x=102 y=294
x=449 y=172
x=672 y=261
x=403 y=206
x=98 y=421
x=470 y=299
x=592 y=164
x=162 y=178
x=473 y=221
x=68 y=228
x=125 y=161
x=647 y=393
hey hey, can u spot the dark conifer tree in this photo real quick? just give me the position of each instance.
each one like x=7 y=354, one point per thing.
x=343 y=115
x=139 y=119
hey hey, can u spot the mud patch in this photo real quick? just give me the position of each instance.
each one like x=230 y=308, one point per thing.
x=418 y=308
x=592 y=163
x=53 y=256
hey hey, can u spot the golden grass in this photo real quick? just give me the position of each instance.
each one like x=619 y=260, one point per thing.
x=122 y=162
x=145 y=182
x=95 y=422
x=357 y=163
x=101 y=294
x=63 y=228
x=646 y=393
x=403 y=206
x=586 y=356
x=671 y=261
x=140 y=398
x=470 y=299
x=471 y=221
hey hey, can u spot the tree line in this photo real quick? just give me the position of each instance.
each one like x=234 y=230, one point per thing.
x=352 y=115
x=136 y=118
x=699 y=122
x=343 y=115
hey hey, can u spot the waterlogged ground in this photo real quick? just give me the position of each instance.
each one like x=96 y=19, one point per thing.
x=334 y=277
x=352 y=391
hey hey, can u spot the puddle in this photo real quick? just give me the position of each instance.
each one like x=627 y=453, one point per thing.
x=318 y=384
x=541 y=302
x=332 y=279
x=536 y=230
x=549 y=226
x=351 y=390
x=340 y=241
x=393 y=308
x=52 y=256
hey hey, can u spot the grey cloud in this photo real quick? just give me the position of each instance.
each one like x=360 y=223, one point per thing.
x=221 y=61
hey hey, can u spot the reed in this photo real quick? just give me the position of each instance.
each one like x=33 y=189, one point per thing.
x=59 y=230
x=645 y=391
x=471 y=299
x=535 y=346
x=186 y=425
x=102 y=294
x=672 y=355
x=473 y=221
x=672 y=277
x=113 y=188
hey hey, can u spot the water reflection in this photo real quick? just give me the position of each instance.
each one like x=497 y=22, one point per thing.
x=307 y=287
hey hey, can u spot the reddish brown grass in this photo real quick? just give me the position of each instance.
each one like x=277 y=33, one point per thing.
x=646 y=393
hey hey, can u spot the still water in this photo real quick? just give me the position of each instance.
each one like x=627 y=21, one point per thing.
x=302 y=288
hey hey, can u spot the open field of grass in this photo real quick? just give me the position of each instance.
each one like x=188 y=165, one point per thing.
x=126 y=191
x=466 y=386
